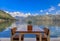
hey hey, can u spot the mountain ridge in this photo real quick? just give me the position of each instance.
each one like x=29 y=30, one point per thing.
x=4 y=15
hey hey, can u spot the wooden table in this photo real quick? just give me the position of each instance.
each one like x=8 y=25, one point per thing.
x=35 y=30
x=30 y=32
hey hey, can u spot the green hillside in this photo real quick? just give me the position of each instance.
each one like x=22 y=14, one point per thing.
x=4 y=15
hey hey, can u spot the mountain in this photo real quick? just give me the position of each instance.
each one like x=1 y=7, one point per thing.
x=4 y=15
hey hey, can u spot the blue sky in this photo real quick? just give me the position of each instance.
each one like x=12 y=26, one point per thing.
x=32 y=6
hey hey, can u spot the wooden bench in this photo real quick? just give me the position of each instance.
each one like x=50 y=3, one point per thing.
x=29 y=31
x=14 y=35
x=45 y=35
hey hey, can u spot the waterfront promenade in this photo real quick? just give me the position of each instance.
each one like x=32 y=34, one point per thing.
x=29 y=39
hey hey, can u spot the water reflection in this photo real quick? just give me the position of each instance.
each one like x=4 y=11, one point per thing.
x=54 y=27
x=4 y=25
x=47 y=23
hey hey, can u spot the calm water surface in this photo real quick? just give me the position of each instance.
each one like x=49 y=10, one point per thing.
x=53 y=26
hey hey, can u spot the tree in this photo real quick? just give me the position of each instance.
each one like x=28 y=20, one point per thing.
x=29 y=22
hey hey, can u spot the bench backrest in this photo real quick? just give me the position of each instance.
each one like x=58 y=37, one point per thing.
x=46 y=30
x=13 y=30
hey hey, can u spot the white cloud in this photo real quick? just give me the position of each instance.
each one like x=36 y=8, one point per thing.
x=18 y=14
x=59 y=4
x=58 y=12
x=47 y=13
x=6 y=11
x=41 y=10
x=21 y=14
x=27 y=14
x=35 y=14
x=51 y=9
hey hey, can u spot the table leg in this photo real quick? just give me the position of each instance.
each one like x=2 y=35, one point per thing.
x=11 y=38
x=20 y=37
x=37 y=37
x=40 y=37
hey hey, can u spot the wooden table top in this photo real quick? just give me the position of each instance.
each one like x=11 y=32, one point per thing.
x=30 y=32
x=35 y=29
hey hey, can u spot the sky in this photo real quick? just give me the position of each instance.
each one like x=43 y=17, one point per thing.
x=31 y=6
